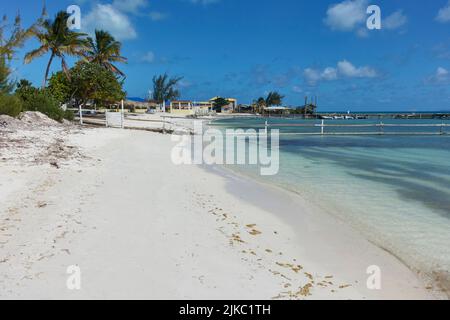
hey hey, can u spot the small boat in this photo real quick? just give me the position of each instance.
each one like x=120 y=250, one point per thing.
x=338 y=118
x=326 y=118
x=349 y=118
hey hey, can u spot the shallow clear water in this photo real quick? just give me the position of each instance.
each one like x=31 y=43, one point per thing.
x=394 y=189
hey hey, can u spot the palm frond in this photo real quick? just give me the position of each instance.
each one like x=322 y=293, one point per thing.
x=30 y=56
x=104 y=50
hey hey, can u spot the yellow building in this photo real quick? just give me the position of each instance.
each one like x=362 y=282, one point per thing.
x=188 y=107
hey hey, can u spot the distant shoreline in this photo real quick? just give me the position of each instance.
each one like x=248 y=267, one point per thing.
x=387 y=112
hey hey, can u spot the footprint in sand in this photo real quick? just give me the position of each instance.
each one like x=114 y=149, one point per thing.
x=295 y=268
x=236 y=238
x=41 y=204
x=253 y=231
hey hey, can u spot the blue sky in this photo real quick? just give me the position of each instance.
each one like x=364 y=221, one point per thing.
x=246 y=48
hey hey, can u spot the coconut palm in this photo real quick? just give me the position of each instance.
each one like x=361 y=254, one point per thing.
x=259 y=104
x=56 y=37
x=105 y=51
x=274 y=99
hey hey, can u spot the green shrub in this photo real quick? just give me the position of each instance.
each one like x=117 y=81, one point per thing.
x=44 y=103
x=69 y=115
x=10 y=105
x=6 y=85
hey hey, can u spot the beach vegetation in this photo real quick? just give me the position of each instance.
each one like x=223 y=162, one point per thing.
x=91 y=81
x=87 y=82
x=59 y=87
x=94 y=78
x=219 y=103
x=42 y=100
x=12 y=38
x=274 y=99
x=6 y=84
x=104 y=50
x=56 y=38
x=35 y=99
x=165 y=88
x=259 y=104
x=25 y=89
x=10 y=105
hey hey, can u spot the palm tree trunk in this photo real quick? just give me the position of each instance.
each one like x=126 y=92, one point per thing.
x=48 y=70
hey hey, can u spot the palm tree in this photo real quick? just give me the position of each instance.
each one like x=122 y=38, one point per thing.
x=164 y=88
x=55 y=37
x=274 y=99
x=105 y=51
x=260 y=103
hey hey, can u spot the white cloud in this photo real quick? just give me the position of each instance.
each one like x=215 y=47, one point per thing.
x=297 y=89
x=362 y=32
x=204 y=2
x=444 y=14
x=312 y=76
x=130 y=6
x=346 y=15
x=441 y=72
x=137 y=7
x=395 y=20
x=344 y=69
x=351 y=15
x=441 y=75
x=347 y=69
x=149 y=57
x=329 y=74
x=157 y=16
x=107 y=17
x=184 y=84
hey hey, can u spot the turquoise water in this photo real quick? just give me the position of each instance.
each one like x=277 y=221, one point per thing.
x=394 y=189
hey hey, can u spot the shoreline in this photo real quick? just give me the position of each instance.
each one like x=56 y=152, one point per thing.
x=268 y=191
x=141 y=227
x=430 y=279
x=435 y=275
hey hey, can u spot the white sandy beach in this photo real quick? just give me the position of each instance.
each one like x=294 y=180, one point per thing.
x=140 y=227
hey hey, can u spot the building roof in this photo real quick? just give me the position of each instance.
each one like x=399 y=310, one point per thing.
x=230 y=99
x=135 y=99
x=275 y=108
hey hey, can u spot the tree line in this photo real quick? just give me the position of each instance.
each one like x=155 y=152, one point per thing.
x=94 y=77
